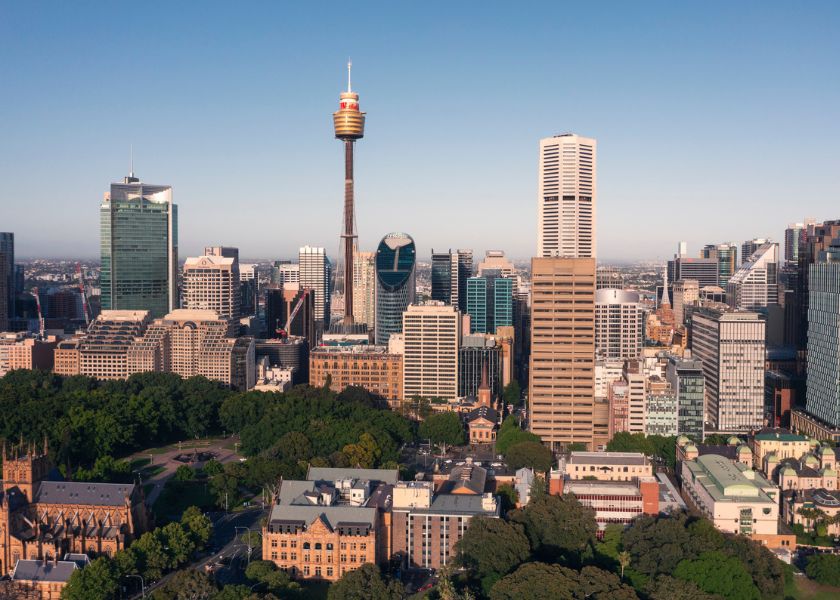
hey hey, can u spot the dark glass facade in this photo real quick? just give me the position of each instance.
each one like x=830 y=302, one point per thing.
x=395 y=271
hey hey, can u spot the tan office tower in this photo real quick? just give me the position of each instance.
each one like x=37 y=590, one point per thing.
x=686 y=292
x=562 y=367
x=567 y=195
x=211 y=282
x=432 y=336
x=364 y=288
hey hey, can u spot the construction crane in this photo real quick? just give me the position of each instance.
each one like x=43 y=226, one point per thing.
x=85 y=310
x=284 y=332
x=40 y=314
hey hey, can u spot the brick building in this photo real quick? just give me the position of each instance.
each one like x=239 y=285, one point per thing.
x=372 y=368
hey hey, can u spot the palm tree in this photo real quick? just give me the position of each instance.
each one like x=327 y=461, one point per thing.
x=624 y=561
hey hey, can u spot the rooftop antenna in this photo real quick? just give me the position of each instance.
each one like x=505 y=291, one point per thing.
x=131 y=168
x=349 y=66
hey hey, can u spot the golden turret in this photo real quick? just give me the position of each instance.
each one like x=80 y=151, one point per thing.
x=349 y=121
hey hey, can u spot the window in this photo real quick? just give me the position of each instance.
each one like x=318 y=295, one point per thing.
x=273 y=543
x=317 y=546
x=283 y=543
x=362 y=546
x=294 y=543
x=273 y=556
x=329 y=571
x=306 y=545
x=329 y=546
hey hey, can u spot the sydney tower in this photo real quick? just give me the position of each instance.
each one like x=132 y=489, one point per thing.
x=349 y=126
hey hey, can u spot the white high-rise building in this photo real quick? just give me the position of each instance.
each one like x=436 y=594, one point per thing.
x=432 y=335
x=314 y=274
x=619 y=324
x=567 y=194
x=364 y=288
x=755 y=285
x=731 y=346
x=212 y=283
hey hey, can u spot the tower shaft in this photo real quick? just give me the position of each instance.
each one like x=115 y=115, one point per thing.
x=349 y=234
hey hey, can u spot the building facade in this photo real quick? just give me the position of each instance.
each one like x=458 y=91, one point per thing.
x=364 y=288
x=139 y=248
x=688 y=384
x=755 y=285
x=619 y=324
x=44 y=519
x=7 y=279
x=314 y=274
x=822 y=399
x=686 y=292
x=726 y=256
x=212 y=283
x=432 y=335
x=370 y=367
x=562 y=362
x=731 y=346
x=567 y=196
x=395 y=283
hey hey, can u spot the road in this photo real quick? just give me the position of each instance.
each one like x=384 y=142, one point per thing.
x=228 y=546
x=170 y=465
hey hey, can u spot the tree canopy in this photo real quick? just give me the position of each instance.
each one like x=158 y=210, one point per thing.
x=445 y=427
x=558 y=527
x=540 y=581
x=511 y=433
x=365 y=583
x=529 y=454
x=716 y=573
x=824 y=568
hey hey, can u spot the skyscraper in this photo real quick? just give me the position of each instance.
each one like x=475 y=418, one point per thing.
x=562 y=365
x=364 y=288
x=211 y=282
x=686 y=292
x=315 y=275
x=619 y=324
x=688 y=383
x=450 y=271
x=755 y=285
x=750 y=246
x=731 y=346
x=705 y=271
x=822 y=398
x=430 y=363
x=726 y=256
x=445 y=277
x=490 y=301
x=7 y=279
x=795 y=237
x=567 y=194
x=139 y=248
x=349 y=125
x=395 y=289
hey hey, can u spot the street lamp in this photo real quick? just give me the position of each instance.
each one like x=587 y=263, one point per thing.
x=142 y=584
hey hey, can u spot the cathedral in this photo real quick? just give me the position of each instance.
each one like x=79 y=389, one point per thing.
x=44 y=518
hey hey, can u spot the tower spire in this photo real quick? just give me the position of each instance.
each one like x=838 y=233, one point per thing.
x=131 y=166
x=665 y=299
x=349 y=67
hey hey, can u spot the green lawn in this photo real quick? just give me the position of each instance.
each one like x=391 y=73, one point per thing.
x=800 y=587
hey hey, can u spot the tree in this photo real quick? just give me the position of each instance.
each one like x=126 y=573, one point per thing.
x=443 y=428
x=559 y=527
x=178 y=544
x=184 y=473
x=97 y=581
x=717 y=573
x=213 y=467
x=365 y=583
x=365 y=454
x=197 y=525
x=189 y=584
x=657 y=544
x=512 y=393
x=540 y=581
x=529 y=454
x=665 y=587
x=492 y=547
x=511 y=433
x=508 y=495
x=824 y=568
x=274 y=580
x=152 y=558
x=623 y=561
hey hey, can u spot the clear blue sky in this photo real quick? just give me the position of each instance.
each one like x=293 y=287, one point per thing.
x=715 y=121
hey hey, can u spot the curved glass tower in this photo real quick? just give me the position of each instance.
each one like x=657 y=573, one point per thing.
x=395 y=262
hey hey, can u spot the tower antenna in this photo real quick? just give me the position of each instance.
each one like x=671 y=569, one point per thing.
x=349 y=67
x=131 y=167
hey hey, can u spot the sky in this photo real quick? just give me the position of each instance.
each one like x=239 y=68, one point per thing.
x=715 y=121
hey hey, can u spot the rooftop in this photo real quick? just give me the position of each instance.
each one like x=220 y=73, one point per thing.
x=727 y=481
x=76 y=492
x=608 y=458
x=39 y=570
x=390 y=476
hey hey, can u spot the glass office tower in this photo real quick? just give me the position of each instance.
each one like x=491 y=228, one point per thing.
x=395 y=266
x=139 y=248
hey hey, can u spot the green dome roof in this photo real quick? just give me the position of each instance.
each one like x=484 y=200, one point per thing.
x=690 y=448
x=742 y=449
x=811 y=460
x=733 y=440
x=682 y=440
x=772 y=457
x=828 y=472
x=788 y=472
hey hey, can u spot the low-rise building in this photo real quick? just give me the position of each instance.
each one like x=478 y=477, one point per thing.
x=604 y=466
x=810 y=507
x=45 y=579
x=428 y=524
x=373 y=368
x=333 y=522
x=734 y=497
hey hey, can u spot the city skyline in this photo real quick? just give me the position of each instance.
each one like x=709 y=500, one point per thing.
x=233 y=155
